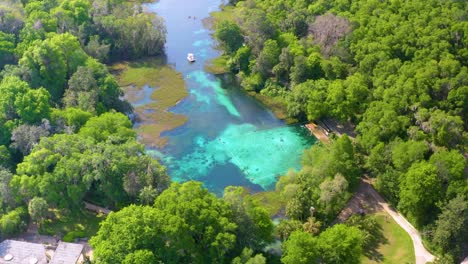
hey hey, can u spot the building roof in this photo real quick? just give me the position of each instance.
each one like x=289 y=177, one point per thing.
x=67 y=253
x=22 y=252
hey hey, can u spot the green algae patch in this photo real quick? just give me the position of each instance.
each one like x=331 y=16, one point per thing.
x=152 y=88
x=217 y=65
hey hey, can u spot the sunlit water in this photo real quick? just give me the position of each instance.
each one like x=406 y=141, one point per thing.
x=229 y=139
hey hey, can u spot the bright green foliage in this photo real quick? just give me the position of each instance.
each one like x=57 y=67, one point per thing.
x=420 y=190
x=7 y=48
x=13 y=222
x=340 y=244
x=337 y=244
x=450 y=169
x=73 y=118
x=20 y=102
x=406 y=153
x=247 y=258
x=300 y=248
x=202 y=222
x=33 y=106
x=113 y=126
x=140 y=256
x=186 y=224
x=11 y=88
x=64 y=168
x=132 y=229
x=52 y=61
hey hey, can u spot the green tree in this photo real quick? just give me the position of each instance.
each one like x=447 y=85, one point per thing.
x=205 y=231
x=247 y=257
x=33 y=106
x=333 y=195
x=268 y=58
x=38 y=209
x=404 y=154
x=186 y=224
x=82 y=90
x=340 y=244
x=450 y=169
x=420 y=189
x=11 y=87
x=451 y=226
x=255 y=227
x=69 y=119
x=7 y=48
x=140 y=256
x=229 y=35
x=114 y=126
x=13 y=222
x=300 y=248
x=129 y=233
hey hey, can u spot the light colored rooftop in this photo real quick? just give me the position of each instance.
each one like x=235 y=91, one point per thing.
x=67 y=253
x=22 y=252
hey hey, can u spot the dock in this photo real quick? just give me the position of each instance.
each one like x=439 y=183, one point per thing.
x=319 y=132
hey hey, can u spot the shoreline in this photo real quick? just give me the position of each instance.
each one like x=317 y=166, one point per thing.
x=152 y=87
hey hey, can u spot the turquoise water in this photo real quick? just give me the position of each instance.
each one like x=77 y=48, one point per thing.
x=229 y=139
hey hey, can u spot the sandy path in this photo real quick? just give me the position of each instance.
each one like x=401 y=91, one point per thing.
x=422 y=255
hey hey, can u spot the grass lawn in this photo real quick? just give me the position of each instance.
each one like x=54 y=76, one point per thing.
x=75 y=224
x=271 y=201
x=169 y=89
x=398 y=247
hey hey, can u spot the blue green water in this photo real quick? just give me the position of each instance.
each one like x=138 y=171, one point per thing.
x=229 y=139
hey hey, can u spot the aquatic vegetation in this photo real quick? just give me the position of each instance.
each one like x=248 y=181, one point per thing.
x=152 y=88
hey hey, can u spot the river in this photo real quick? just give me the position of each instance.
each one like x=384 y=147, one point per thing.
x=230 y=138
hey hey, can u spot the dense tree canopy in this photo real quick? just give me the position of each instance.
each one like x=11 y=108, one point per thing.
x=397 y=70
x=186 y=224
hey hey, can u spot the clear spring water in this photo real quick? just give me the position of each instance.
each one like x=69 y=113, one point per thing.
x=229 y=139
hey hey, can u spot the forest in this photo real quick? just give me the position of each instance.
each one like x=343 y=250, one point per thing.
x=396 y=70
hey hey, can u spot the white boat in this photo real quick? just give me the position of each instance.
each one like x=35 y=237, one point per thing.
x=190 y=57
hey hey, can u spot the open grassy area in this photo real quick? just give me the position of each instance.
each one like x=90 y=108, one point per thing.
x=271 y=201
x=397 y=247
x=72 y=225
x=169 y=89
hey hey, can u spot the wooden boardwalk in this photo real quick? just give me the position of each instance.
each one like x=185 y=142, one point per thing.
x=97 y=209
x=318 y=132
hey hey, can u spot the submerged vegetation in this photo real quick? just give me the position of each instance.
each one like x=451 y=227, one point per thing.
x=164 y=88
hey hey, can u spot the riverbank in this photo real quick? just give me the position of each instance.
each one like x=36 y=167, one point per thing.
x=152 y=87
